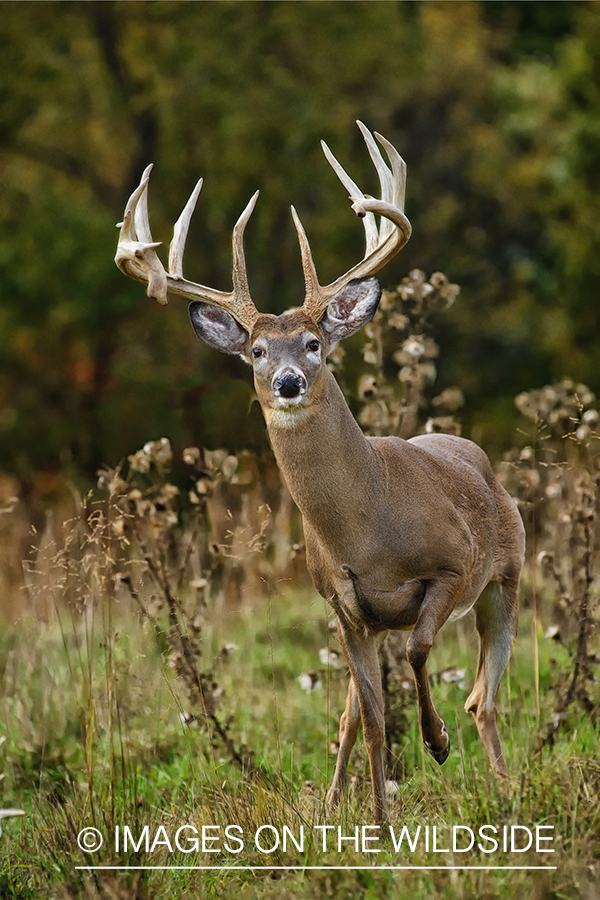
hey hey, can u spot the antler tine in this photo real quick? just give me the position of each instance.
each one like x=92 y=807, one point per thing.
x=127 y=226
x=398 y=173
x=385 y=176
x=386 y=180
x=369 y=224
x=136 y=257
x=180 y=233
x=381 y=243
x=140 y=209
x=311 y=280
x=240 y=277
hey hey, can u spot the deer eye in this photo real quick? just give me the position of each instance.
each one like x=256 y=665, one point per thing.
x=313 y=346
x=257 y=352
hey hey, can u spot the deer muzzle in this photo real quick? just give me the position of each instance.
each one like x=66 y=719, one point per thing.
x=289 y=383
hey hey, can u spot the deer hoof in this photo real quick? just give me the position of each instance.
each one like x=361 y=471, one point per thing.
x=440 y=756
x=333 y=799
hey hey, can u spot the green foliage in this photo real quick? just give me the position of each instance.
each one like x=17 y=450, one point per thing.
x=494 y=106
x=94 y=737
x=146 y=693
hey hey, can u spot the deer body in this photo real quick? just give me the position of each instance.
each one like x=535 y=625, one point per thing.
x=399 y=534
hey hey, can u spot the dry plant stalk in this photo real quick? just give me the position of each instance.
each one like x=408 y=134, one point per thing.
x=556 y=479
x=402 y=332
x=145 y=534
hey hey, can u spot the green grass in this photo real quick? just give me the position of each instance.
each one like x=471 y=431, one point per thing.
x=91 y=722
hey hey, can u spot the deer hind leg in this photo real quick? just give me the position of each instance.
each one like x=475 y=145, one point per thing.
x=439 y=601
x=361 y=652
x=496 y=615
x=349 y=724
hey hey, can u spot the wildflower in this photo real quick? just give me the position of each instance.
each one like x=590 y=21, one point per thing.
x=414 y=348
x=553 y=491
x=367 y=387
x=391 y=788
x=309 y=682
x=454 y=676
x=9 y=813
x=160 y=452
x=328 y=657
x=398 y=321
x=191 y=455
x=451 y=399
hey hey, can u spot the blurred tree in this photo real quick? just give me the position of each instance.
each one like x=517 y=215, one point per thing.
x=494 y=106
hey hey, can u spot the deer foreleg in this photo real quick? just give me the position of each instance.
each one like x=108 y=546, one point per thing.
x=361 y=652
x=440 y=599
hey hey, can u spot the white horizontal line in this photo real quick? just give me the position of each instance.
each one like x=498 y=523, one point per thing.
x=320 y=868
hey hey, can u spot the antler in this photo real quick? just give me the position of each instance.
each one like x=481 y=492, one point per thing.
x=381 y=243
x=136 y=252
x=136 y=256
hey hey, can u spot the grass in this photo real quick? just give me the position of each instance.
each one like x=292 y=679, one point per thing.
x=125 y=708
x=96 y=732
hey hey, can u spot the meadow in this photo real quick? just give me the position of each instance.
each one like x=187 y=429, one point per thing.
x=173 y=682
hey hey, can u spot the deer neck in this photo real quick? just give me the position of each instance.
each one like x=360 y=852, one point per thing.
x=328 y=464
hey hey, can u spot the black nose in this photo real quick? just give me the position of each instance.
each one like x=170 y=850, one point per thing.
x=288 y=385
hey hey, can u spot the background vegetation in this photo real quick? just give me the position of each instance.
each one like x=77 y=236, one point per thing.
x=495 y=107
x=169 y=659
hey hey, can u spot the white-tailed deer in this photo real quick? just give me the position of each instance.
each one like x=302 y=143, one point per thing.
x=399 y=534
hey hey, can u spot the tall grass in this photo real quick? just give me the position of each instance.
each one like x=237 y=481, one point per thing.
x=173 y=672
x=97 y=735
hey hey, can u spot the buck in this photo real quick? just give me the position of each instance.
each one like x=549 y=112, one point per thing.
x=400 y=534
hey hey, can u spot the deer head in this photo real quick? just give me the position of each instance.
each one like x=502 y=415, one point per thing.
x=287 y=352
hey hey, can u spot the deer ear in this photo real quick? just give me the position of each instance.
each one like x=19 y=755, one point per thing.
x=217 y=328
x=351 y=308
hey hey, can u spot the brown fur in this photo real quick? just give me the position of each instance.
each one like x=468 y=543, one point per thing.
x=399 y=534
